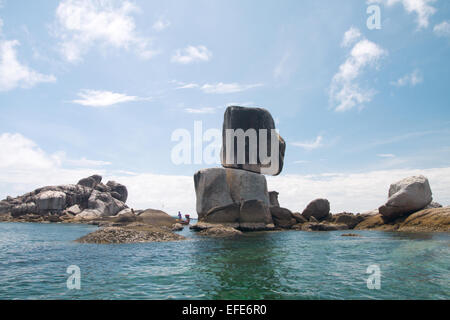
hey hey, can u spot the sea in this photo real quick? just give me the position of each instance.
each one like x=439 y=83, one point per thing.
x=42 y=261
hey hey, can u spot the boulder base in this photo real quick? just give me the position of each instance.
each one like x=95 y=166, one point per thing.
x=232 y=197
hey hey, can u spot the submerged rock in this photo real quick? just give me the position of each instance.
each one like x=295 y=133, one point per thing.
x=407 y=196
x=111 y=235
x=250 y=121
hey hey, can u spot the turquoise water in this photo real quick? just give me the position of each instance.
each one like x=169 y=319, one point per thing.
x=277 y=265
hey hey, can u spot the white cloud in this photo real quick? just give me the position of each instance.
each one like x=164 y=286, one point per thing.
x=25 y=167
x=350 y=37
x=161 y=24
x=345 y=92
x=386 y=155
x=309 y=145
x=223 y=88
x=97 y=98
x=353 y=192
x=422 y=8
x=192 y=54
x=83 y=162
x=206 y=110
x=217 y=88
x=442 y=29
x=13 y=73
x=411 y=79
x=188 y=86
x=284 y=68
x=82 y=24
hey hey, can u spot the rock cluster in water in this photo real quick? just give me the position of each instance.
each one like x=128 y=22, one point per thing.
x=88 y=199
x=236 y=196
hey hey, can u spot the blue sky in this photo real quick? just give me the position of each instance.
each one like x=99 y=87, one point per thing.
x=100 y=86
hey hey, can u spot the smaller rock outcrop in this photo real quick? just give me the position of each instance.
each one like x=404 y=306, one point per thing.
x=273 y=197
x=282 y=217
x=111 y=235
x=215 y=230
x=406 y=196
x=156 y=218
x=427 y=220
x=90 y=182
x=348 y=219
x=87 y=200
x=319 y=209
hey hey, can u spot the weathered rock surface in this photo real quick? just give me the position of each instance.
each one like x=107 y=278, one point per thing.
x=90 y=182
x=236 y=118
x=433 y=205
x=314 y=226
x=348 y=219
x=427 y=220
x=319 y=209
x=232 y=197
x=407 y=196
x=130 y=235
x=215 y=230
x=273 y=197
x=282 y=217
x=299 y=217
x=89 y=199
x=156 y=218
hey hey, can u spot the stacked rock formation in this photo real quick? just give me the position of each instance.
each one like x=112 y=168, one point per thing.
x=88 y=199
x=236 y=195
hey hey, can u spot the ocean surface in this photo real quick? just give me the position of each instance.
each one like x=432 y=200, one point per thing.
x=278 y=265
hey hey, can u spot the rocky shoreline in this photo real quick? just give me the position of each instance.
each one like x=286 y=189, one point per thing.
x=229 y=200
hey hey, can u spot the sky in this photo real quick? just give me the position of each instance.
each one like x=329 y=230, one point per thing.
x=100 y=87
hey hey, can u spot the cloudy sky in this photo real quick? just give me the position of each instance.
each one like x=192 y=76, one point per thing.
x=100 y=86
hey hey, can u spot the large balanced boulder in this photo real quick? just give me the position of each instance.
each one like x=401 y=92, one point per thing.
x=319 y=209
x=407 y=196
x=262 y=148
x=233 y=197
